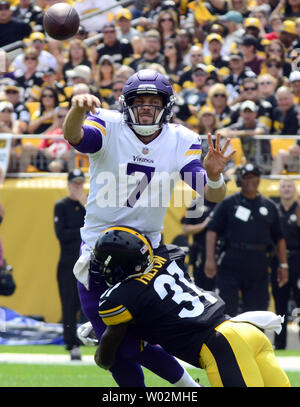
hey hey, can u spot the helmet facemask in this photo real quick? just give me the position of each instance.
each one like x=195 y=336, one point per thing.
x=142 y=83
x=131 y=112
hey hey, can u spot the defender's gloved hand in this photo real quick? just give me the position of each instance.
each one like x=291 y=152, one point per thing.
x=87 y=335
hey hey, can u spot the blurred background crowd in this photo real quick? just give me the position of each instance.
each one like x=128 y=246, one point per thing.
x=234 y=65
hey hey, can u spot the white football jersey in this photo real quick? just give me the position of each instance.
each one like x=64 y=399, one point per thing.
x=131 y=183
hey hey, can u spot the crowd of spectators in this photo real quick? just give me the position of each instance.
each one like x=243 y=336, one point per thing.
x=234 y=66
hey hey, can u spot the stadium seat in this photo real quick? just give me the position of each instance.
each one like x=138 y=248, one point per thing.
x=32 y=107
x=278 y=144
x=237 y=145
x=29 y=140
x=82 y=162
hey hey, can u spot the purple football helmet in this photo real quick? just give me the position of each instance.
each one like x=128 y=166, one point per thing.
x=147 y=81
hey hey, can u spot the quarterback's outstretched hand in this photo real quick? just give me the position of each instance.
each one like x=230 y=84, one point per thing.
x=216 y=159
x=86 y=102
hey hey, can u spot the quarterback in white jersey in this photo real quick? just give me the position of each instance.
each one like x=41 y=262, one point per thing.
x=131 y=183
x=136 y=157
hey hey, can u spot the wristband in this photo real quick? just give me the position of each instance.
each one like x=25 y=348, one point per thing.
x=283 y=265
x=215 y=184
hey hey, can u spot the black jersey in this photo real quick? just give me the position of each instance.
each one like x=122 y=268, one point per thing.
x=165 y=307
x=254 y=221
x=291 y=230
x=68 y=219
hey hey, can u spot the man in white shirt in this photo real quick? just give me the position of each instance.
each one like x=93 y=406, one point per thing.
x=46 y=60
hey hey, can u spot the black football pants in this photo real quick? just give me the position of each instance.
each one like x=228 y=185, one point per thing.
x=70 y=302
x=243 y=274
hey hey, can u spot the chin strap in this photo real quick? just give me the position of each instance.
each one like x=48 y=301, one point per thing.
x=145 y=129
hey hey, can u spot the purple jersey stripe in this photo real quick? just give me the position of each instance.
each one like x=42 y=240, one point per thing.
x=194 y=175
x=195 y=147
x=96 y=119
x=91 y=142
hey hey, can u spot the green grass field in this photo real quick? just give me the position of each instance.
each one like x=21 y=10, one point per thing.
x=76 y=375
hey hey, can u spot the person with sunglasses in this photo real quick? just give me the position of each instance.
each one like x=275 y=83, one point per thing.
x=217 y=97
x=174 y=65
x=21 y=115
x=32 y=78
x=43 y=118
x=117 y=49
x=249 y=91
x=167 y=25
x=274 y=66
x=46 y=60
x=266 y=87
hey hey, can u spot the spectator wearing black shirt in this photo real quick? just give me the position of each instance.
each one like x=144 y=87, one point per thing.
x=267 y=87
x=32 y=77
x=195 y=57
x=69 y=215
x=29 y=13
x=238 y=72
x=196 y=97
x=215 y=58
x=21 y=115
x=11 y=29
x=152 y=54
x=285 y=115
x=43 y=118
x=249 y=91
x=248 y=126
x=173 y=64
x=289 y=211
x=77 y=55
x=117 y=49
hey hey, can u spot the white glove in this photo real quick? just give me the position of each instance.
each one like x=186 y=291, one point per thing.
x=87 y=335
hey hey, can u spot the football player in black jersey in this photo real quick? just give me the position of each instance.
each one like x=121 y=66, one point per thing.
x=151 y=294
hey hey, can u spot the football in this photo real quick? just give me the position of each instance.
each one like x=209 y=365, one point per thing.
x=61 y=21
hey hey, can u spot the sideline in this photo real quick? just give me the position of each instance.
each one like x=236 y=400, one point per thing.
x=289 y=363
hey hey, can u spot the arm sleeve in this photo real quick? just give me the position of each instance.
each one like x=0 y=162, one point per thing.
x=194 y=175
x=113 y=314
x=276 y=227
x=218 y=219
x=94 y=130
